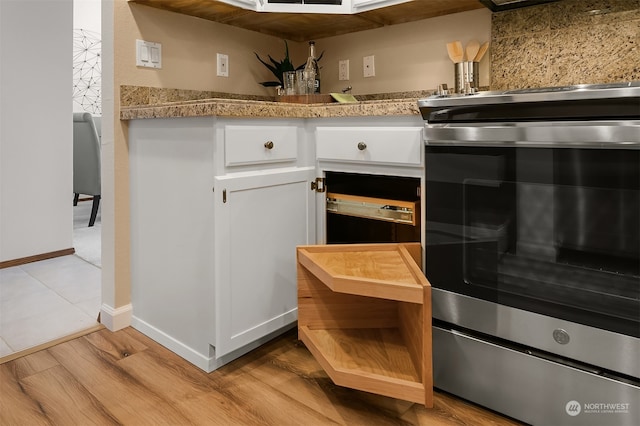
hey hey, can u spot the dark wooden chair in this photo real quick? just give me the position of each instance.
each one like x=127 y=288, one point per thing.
x=86 y=161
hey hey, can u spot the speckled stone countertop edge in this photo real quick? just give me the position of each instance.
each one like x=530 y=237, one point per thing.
x=223 y=107
x=266 y=109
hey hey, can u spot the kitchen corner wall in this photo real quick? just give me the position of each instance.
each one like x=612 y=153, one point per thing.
x=408 y=57
x=566 y=42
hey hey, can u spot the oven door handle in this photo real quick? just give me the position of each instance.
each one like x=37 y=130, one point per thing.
x=571 y=135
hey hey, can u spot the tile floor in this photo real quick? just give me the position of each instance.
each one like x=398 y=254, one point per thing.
x=46 y=300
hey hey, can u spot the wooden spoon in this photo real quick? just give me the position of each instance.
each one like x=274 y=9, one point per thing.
x=456 y=53
x=481 y=52
x=472 y=49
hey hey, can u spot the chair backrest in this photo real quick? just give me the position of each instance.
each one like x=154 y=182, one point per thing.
x=86 y=155
x=97 y=120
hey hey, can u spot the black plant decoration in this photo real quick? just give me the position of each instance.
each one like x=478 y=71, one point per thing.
x=279 y=68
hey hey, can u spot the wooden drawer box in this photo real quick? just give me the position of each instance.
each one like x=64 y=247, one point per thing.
x=364 y=312
x=396 y=211
x=246 y=145
x=385 y=145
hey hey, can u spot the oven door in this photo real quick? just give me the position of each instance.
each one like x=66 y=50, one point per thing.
x=537 y=233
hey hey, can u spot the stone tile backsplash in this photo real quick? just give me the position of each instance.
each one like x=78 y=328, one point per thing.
x=566 y=42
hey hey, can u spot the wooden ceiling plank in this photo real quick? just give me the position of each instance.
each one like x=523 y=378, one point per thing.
x=302 y=27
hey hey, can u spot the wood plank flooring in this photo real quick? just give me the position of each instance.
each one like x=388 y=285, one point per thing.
x=106 y=378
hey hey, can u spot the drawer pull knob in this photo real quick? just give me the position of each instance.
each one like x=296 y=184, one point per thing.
x=268 y=145
x=362 y=146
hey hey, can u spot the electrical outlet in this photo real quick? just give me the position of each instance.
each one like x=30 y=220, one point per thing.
x=343 y=70
x=223 y=65
x=369 y=66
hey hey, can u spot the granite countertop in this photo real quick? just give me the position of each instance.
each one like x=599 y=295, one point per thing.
x=142 y=103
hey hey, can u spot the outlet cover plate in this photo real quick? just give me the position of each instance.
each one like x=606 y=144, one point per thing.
x=223 y=65
x=343 y=70
x=369 y=67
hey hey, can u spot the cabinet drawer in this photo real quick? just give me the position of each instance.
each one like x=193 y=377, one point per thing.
x=259 y=144
x=384 y=209
x=396 y=145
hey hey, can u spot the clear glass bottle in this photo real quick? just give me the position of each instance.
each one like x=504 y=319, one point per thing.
x=311 y=67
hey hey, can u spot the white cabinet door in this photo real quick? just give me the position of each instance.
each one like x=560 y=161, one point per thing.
x=260 y=219
x=364 y=5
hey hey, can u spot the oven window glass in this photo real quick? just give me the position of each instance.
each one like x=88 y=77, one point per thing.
x=553 y=231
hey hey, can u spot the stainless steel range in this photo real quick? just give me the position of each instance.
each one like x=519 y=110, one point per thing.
x=533 y=252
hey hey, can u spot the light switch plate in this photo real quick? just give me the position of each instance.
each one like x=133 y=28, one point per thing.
x=343 y=70
x=148 y=54
x=368 y=65
x=223 y=65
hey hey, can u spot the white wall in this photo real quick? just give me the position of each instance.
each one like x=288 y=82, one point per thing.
x=36 y=149
x=87 y=75
x=408 y=57
x=86 y=15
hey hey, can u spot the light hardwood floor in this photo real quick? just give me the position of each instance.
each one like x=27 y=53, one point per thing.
x=126 y=378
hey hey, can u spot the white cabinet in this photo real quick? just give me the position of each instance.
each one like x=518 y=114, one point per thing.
x=172 y=234
x=373 y=173
x=260 y=218
x=246 y=4
x=264 y=208
x=305 y=6
x=316 y=6
x=364 y=5
x=217 y=213
x=373 y=150
x=213 y=241
x=299 y=6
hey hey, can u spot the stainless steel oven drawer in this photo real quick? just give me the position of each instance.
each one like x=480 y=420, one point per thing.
x=528 y=388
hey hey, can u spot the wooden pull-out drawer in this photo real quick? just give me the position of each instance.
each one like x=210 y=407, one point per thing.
x=405 y=212
x=364 y=312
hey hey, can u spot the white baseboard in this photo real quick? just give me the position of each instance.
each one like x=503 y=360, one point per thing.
x=204 y=362
x=201 y=361
x=116 y=318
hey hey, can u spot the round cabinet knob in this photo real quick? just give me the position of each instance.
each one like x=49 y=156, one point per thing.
x=268 y=145
x=362 y=146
